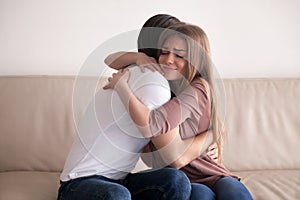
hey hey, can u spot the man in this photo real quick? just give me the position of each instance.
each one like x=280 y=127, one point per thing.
x=108 y=145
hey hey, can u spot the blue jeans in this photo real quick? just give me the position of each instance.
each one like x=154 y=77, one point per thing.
x=166 y=183
x=226 y=188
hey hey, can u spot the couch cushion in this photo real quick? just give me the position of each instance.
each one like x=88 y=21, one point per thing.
x=272 y=184
x=36 y=122
x=29 y=185
x=263 y=122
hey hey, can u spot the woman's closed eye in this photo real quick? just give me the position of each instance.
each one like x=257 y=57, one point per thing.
x=179 y=56
x=166 y=52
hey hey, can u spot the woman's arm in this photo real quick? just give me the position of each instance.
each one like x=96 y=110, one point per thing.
x=165 y=118
x=120 y=60
x=139 y=113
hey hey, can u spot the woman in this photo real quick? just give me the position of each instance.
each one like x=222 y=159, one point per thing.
x=147 y=55
x=184 y=56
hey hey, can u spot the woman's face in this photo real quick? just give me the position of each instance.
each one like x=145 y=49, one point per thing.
x=173 y=58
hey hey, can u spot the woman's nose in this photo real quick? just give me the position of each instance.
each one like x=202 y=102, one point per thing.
x=170 y=58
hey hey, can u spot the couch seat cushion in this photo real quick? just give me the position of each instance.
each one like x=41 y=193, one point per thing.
x=272 y=184
x=28 y=185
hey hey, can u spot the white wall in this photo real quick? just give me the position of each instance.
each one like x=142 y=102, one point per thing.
x=249 y=38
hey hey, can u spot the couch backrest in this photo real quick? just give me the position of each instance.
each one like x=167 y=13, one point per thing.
x=36 y=125
x=37 y=119
x=263 y=121
x=37 y=122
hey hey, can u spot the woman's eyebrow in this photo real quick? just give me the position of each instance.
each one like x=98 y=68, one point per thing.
x=182 y=50
x=175 y=49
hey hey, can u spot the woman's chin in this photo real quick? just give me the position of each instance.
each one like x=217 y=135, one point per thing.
x=169 y=78
x=172 y=77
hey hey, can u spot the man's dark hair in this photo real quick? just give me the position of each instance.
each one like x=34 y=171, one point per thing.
x=151 y=30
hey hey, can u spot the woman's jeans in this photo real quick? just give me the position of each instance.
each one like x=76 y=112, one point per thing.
x=166 y=183
x=226 y=188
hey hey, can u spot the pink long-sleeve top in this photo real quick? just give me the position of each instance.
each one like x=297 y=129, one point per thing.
x=191 y=110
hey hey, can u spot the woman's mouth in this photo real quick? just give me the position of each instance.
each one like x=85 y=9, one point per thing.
x=168 y=67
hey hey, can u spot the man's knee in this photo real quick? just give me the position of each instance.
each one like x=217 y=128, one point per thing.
x=177 y=176
x=117 y=192
x=201 y=191
x=178 y=182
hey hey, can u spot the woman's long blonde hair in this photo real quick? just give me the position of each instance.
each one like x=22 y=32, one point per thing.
x=200 y=67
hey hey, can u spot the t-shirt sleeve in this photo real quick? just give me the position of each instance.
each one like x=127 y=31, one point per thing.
x=152 y=96
x=151 y=88
x=185 y=111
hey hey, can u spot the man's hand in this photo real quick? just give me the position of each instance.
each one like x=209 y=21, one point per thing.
x=213 y=152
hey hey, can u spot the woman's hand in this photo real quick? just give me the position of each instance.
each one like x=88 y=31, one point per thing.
x=138 y=112
x=144 y=61
x=117 y=79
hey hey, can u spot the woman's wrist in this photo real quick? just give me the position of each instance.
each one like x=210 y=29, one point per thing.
x=132 y=57
x=124 y=92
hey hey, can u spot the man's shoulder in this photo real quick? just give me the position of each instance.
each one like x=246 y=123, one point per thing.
x=147 y=78
x=151 y=88
x=136 y=73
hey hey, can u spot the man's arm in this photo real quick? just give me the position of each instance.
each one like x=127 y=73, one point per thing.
x=177 y=152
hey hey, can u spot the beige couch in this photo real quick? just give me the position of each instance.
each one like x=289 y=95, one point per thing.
x=37 y=128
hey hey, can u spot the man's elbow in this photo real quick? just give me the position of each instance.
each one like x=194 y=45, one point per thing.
x=179 y=163
x=145 y=131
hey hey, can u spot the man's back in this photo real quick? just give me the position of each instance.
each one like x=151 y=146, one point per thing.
x=108 y=142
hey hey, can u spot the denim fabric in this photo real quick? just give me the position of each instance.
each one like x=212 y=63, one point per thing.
x=229 y=188
x=201 y=192
x=92 y=188
x=226 y=188
x=166 y=183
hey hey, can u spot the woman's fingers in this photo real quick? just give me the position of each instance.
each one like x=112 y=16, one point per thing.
x=145 y=61
x=153 y=67
x=121 y=75
x=107 y=86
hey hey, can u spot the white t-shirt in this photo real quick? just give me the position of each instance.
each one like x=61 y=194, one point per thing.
x=108 y=142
